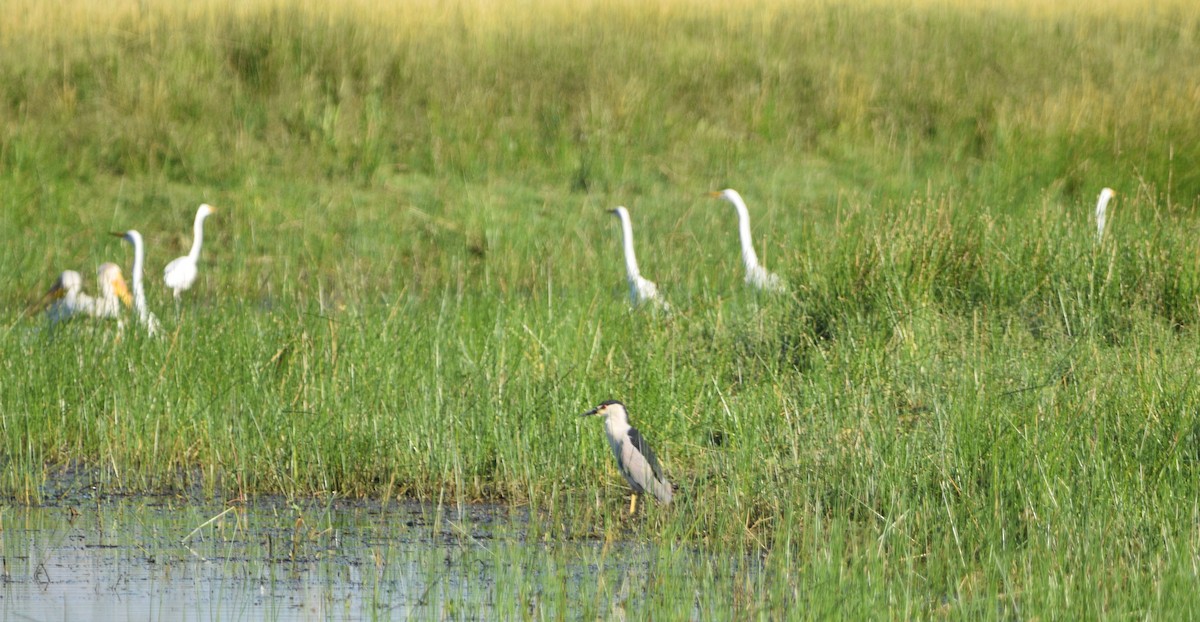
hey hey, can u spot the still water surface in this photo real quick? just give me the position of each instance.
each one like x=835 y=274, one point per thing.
x=155 y=559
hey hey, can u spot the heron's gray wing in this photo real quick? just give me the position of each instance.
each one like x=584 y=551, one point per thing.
x=642 y=446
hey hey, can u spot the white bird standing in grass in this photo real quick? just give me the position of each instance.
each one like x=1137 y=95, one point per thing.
x=641 y=290
x=144 y=316
x=181 y=272
x=756 y=275
x=1106 y=195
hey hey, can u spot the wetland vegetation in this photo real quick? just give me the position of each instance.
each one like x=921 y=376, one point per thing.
x=963 y=406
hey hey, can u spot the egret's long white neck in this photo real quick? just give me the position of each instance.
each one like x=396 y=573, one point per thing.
x=631 y=266
x=749 y=257
x=1101 y=208
x=139 y=294
x=197 y=236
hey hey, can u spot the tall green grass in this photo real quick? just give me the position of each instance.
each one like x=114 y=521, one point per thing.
x=964 y=405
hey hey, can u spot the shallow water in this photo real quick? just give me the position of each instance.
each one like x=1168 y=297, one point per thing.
x=150 y=559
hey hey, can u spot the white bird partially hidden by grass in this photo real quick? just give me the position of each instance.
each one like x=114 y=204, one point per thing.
x=145 y=317
x=1106 y=195
x=756 y=275
x=641 y=290
x=181 y=272
x=66 y=298
x=113 y=292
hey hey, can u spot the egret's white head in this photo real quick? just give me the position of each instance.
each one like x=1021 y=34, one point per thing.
x=109 y=277
x=1107 y=194
x=132 y=236
x=205 y=210
x=729 y=194
x=620 y=212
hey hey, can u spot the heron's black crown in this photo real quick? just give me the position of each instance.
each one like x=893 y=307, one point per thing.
x=610 y=403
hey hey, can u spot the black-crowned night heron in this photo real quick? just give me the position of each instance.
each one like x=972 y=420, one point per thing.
x=635 y=459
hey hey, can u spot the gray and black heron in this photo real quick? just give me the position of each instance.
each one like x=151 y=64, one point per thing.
x=635 y=459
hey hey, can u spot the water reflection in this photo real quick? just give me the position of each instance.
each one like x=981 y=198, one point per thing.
x=139 y=560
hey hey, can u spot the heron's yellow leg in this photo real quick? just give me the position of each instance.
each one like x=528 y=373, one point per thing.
x=633 y=503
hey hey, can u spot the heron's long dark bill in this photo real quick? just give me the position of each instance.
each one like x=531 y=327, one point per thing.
x=590 y=412
x=116 y=234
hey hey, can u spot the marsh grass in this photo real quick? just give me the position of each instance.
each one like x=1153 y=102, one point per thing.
x=412 y=288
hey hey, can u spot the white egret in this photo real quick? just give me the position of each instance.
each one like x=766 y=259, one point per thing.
x=181 y=272
x=756 y=275
x=113 y=292
x=66 y=298
x=144 y=316
x=641 y=290
x=1106 y=195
